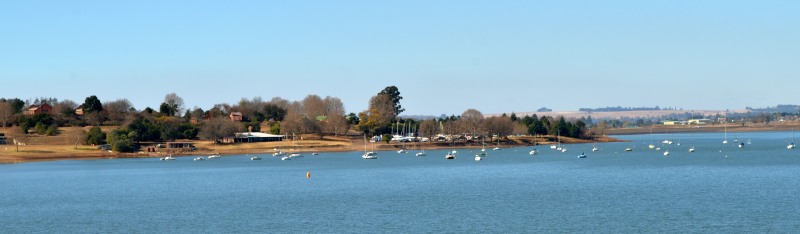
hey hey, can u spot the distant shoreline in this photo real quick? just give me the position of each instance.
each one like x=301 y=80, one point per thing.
x=699 y=129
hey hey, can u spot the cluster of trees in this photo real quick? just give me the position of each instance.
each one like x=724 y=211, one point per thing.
x=382 y=112
x=554 y=126
x=315 y=115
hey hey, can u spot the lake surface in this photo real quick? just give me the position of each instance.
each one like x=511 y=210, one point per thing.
x=718 y=188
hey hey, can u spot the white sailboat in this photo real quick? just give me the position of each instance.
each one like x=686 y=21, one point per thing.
x=651 y=146
x=691 y=150
x=368 y=155
x=791 y=145
x=725 y=141
x=560 y=148
x=419 y=154
x=498 y=145
x=666 y=153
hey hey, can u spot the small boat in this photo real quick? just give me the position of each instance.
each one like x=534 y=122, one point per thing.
x=167 y=158
x=279 y=154
x=651 y=146
x=478 y=158
x=790 y=146
x=497 y=148
x=402 y=151
x=628 y=149
x=315 y=154
x=533 y=152
x=668 y=142
x=454 y=152
x=284 y=158
x=595 y=149
x=691 y=150
x=296 y=155
x=563 y=150
x=658 y=149
x=726 y=135
x=741 y=145
x=199 y=159
x=421 y=154
x=582 y=155
x=553 y=147
x=255 y=158
x=450 y=156
x=214 y=156
x=666 y=153
x=370 y=154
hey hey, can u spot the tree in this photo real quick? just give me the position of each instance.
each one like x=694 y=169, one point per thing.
x=337 y=124
x=121 y=140
x=198 y=114
x=118 y=110
x=500 y=126
x=166 y=109
x=16 y=104
x=275 y=128
x=64 y=112
x=95 y=136
x=6 y=112
x=92 y=105
x=313 y=106
x=274 y=112
x=382 y=110
x=174 y=102
x=169 y=127
x=20 y=136
x=353 y=119
x=76 y=136
x=218 y=128
x=473 y=120
x=428 y=128
x=394 y=96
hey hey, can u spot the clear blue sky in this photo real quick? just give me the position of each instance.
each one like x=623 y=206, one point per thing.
x=444 y=56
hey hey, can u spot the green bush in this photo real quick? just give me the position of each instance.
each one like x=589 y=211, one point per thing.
x=95 y=136
x=52 y=130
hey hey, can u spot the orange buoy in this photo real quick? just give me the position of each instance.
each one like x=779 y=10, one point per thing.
x=308 y=175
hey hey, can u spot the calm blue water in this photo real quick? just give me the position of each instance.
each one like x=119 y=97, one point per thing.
x=753 y=189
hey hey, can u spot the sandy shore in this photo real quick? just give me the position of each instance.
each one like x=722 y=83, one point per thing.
x=48 y=152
